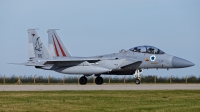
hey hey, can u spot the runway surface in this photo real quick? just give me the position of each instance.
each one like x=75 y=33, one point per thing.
x=100 y=87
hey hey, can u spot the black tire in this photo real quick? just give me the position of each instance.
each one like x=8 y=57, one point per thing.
x=99 y=80
x=137 y=81
x=83 y=80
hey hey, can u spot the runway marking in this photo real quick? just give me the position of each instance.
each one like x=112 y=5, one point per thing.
x=100 y=87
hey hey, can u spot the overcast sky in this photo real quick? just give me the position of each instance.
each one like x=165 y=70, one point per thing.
x=91 y=27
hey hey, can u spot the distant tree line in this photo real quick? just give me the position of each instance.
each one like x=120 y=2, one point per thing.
x=116 y=79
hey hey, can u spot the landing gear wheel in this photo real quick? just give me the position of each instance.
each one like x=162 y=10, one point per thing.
x=83 y=80
x=99 y=80
x=137 y=81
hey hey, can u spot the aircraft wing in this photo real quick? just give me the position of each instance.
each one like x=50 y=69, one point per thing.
x=71 y=59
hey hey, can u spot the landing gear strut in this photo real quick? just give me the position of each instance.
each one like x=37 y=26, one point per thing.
x=137 y=76
x=83 y=80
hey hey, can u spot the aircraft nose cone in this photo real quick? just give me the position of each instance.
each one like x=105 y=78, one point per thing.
x=181 y=63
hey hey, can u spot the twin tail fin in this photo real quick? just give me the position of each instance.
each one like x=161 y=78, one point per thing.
x=55 y=45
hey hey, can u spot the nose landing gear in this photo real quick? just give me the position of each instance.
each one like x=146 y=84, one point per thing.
x=137 y=75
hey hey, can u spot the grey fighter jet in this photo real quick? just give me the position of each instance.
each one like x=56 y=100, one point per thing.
x=126 y=62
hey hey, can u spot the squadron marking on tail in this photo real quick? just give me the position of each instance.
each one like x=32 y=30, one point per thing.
x=38 y=46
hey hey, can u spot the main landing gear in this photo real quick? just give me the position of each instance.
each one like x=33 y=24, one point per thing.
x=138 y=76
x=98 y=80
x=83 y=80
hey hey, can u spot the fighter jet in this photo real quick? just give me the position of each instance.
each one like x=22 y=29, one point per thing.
x=127 y=62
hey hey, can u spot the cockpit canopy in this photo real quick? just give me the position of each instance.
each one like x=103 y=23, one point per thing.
x=147 y=49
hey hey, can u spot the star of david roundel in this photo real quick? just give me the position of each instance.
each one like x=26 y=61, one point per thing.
x=153 y=58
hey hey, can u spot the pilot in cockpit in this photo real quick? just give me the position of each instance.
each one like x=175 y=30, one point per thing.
x=137 y=50
x=147 y=49
x=151 y=50
x=158 y=52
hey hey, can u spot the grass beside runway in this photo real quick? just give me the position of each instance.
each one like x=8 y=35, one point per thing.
x=90 y=101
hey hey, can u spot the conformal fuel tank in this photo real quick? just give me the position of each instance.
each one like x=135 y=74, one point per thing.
x=82 y=70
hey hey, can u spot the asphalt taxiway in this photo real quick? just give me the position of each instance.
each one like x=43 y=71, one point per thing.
x=100 y=87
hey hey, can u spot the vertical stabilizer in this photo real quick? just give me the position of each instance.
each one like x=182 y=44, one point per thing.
x=36 y=47
x=55 y=45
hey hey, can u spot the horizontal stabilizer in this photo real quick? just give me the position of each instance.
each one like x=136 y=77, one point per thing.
x=28 y=64
x=17 y=63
